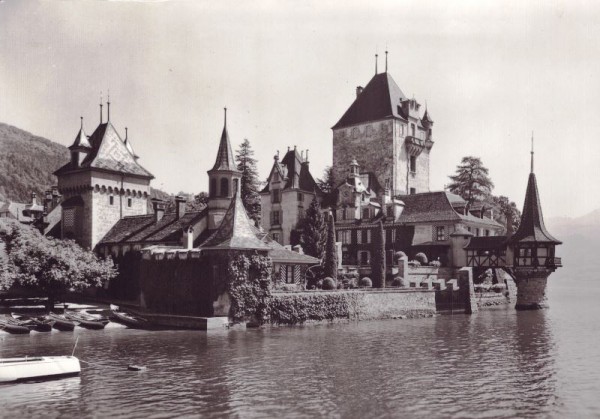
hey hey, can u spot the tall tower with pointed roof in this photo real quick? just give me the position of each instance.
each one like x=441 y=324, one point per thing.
x=223 y=180
x=534 y=251
x=102 y=183
x=385 y=132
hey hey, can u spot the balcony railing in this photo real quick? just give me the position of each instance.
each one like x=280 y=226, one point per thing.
x=555 y=262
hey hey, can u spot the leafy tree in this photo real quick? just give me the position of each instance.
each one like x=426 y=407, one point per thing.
x=249 y=185
x=505 y=210
x=378 y=258
x=328 y=186
x=313 y=230
x=330 y=262
x=471 y=181
x=50 y=266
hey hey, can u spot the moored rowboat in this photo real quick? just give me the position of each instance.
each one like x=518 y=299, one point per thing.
x=39 y=324
x=12 y=326
x=35 y=368
x=84 y=321
x=129 y=320
x=61 y=322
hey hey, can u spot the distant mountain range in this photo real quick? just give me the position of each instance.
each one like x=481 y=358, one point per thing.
x=581 y=241
x=27 y=162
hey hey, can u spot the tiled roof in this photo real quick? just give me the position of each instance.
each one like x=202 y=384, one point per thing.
x=235 y=231
x=108 y=152
x=487 y=242
x=380 y=99
x=427 y=207
x=280 y=254
x=143 y=229
x=532 y=228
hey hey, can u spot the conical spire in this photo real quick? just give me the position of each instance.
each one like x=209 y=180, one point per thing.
x=532 y=228
x=81 y=140
x=235 y=231
x=225 y=160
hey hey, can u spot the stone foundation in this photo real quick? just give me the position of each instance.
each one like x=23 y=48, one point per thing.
x=531 y=293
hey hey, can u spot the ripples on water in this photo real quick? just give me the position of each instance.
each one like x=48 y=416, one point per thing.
x=498 y=363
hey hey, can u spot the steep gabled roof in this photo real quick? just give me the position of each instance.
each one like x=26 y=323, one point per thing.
x=380 y=99
x=532 y=228
x=427 y=207
x=235 y=231
x=295 y=172
x=108 y=152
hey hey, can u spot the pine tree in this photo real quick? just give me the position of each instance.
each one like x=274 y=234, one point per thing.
x=378 y=258
x=330 y=261
x=249 y=185
x=327 y=186
x=313 y=230
x=471 y=181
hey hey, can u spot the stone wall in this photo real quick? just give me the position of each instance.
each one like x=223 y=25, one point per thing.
x=370 y=144
x=316 y=306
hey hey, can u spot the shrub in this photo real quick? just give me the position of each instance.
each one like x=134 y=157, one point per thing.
x=329 y=284
x=435 y=263
x=397 y=282
x=422 y=258
x=365 y=282
x=399 y=255
x=319 y=284
x=414 y=263
x=298 y=308
x=340 y=286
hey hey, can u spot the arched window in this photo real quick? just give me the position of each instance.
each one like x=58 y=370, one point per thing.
x=212 y=189
x=224 y=187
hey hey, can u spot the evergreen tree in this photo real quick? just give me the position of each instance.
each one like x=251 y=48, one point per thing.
x=249 y=185
x=378 y=257
x=330 y=261
x=471 y=181
x=313 y=230
x=505 y=210
x=327 y=186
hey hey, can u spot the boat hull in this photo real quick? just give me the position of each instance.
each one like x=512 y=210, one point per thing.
x=60 y=323
x=38 y=368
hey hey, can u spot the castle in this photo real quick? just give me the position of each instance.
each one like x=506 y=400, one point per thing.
x=381 y=161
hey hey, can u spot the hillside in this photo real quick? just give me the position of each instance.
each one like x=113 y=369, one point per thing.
x=26 y=163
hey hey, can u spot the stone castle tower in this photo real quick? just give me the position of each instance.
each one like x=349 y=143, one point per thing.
x=223 y=181
x=102 y=183
x=385 y=132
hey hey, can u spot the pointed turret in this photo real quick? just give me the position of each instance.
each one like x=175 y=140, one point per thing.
x=223 y=180
x=80 y=148
x=225 y=159
x=532 y=228
x=426 y=120
x=235 y=231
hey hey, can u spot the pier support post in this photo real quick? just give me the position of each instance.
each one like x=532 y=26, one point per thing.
x=531 y=289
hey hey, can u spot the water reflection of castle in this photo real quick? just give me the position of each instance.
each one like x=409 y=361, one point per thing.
x=381 y=149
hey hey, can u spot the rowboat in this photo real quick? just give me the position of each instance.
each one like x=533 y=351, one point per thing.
x=38 y=368
x=39 y=324
x=12 y=326
x=60 y=322
x=128 y=319
x=84 y=321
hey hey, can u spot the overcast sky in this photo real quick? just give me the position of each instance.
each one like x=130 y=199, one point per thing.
x=490 y=73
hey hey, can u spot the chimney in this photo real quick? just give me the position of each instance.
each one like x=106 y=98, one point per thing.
x=189 y=238
x=159 y=209
x=359 y=90
x=179 y=207
x=33 y=196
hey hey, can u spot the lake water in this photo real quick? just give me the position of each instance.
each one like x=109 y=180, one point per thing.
x=497 y=363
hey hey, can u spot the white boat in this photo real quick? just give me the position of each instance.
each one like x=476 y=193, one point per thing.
x=38 y=368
